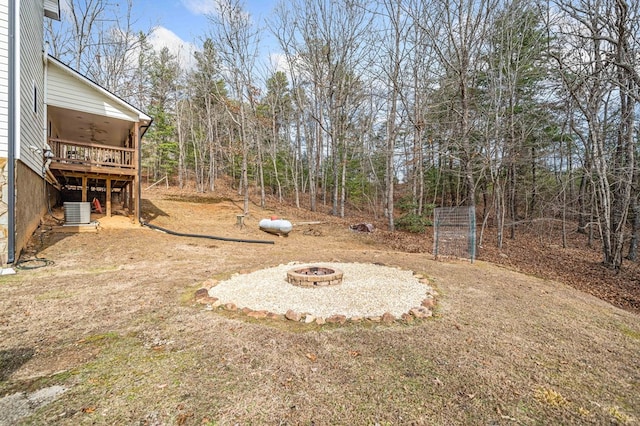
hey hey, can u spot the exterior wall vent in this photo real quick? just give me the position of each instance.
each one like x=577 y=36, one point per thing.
x=76 y=213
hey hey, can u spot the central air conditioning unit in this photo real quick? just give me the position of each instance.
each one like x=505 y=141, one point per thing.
x=77 y=213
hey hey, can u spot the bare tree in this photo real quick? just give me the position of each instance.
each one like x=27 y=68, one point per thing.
x=98 y=39
x=79 y=31
x=277 y=103
x=205 y=100
x=603 y=78
x=459 y=31
x=512 y=97
x=286 y=35
x=393 y=57
x=236 y=40
x=323 y=42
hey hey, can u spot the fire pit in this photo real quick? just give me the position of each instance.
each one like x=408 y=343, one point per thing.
x=314 y=276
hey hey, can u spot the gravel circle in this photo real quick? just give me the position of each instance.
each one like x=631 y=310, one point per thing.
x=367 y=290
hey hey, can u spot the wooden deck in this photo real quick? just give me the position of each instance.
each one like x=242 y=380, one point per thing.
x=85 y=167
x=76 y=158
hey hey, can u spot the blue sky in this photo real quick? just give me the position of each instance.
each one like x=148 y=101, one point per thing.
x=182 y=23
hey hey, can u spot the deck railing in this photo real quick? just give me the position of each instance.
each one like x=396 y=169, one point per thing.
x=91 y=154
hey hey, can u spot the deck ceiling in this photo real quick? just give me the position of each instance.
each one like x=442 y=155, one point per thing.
x=90 y=128
x=96 y=182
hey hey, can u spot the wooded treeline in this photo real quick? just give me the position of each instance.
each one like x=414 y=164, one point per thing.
x=527 y=110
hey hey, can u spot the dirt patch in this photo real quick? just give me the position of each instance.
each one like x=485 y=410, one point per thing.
x=20 y=405
x=113 y=320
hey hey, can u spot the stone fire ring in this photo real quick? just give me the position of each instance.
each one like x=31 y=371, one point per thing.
x=368 y=292
x=314 y=276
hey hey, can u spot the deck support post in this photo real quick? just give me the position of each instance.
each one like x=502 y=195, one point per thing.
x=130 y=195
x=84 y=189
x=108 y=200
x=124 y=196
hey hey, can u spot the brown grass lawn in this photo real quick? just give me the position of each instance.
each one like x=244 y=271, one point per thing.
x=113 y=320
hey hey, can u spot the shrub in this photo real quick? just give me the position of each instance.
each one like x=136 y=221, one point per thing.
x=412 y=222
x=409 y=220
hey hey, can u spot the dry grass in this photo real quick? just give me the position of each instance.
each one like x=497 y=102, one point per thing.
x=114 y=322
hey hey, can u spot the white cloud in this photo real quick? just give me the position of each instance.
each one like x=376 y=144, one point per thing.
x=200 y=7
x=65 y=8
x=163 y=37
x=278 y=62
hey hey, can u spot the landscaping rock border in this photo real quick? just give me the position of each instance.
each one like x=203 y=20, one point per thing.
x=423 y=309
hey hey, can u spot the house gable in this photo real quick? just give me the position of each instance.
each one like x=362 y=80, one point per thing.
x=68 y=89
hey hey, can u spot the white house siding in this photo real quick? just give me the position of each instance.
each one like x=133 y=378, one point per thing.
x=31 y=75
x=66 y=89
x=4 y=79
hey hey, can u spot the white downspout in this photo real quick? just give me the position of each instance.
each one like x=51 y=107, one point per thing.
x=45 y=120
x=14 y=129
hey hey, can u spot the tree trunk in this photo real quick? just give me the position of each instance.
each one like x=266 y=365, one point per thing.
x=635 y=231
x=263 y=197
